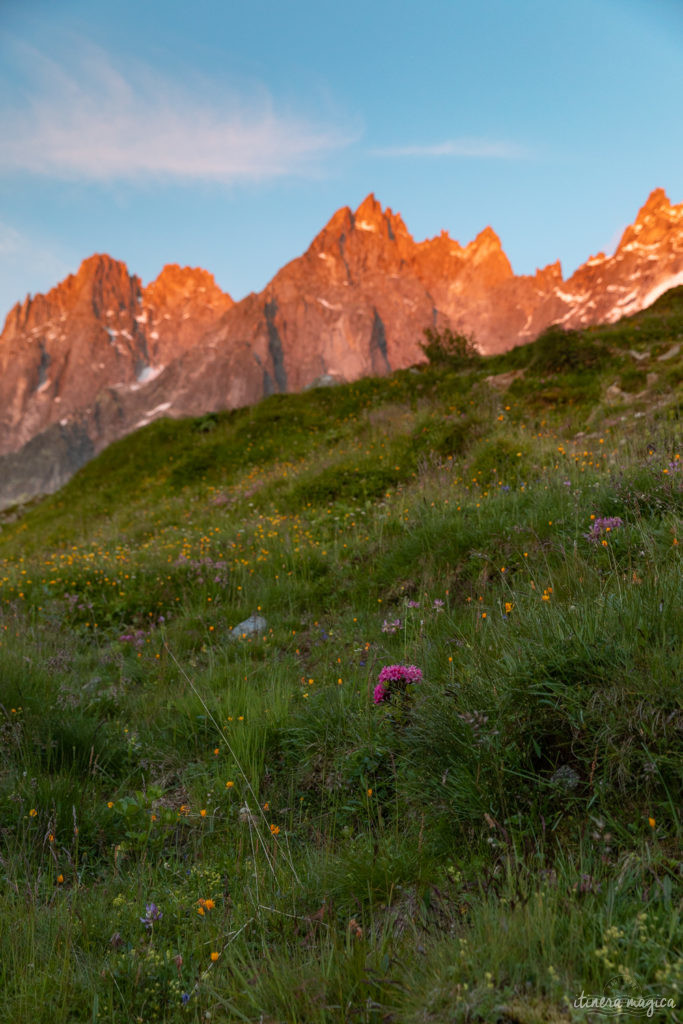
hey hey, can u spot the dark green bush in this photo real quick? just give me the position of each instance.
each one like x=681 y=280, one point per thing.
x=557 y=350
x=449 y=348
x=345 y=482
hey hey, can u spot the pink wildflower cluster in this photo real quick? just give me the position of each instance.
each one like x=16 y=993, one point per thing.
x=395 y=677
x=603 y=525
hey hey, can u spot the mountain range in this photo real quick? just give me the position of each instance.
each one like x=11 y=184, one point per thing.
x=100 y=355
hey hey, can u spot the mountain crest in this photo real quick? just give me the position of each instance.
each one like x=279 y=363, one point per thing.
x=371 y=217
x=487 y=241
x=486 y=254
x=102 y=283
x=550 y=275
x=656 y=218
x=656 y=200
x=339 y=224
x=100 y=351
x=176 y=283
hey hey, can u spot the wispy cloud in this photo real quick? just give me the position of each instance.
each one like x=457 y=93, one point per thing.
x=477 y=148
x=85 y=118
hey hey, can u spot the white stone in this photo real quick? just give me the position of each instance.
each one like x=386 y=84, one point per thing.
x=250 y=627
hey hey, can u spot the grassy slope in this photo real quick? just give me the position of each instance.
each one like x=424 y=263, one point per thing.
x=486 y=849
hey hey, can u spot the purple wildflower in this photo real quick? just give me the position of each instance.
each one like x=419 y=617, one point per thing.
x=413 y=604
x=381 y=693
x=393 y=679
x=603 y=524
x=152 y=914
x=391 y=627
x=137 y=638
x=438 y=604
x=400 y=674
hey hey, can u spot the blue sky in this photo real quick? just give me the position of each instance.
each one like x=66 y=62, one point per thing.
x=225 y=135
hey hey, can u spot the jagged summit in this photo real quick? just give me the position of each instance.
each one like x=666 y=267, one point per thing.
x=178 y=286
x=486 y=249
x=175 y=277
x=654 y=221
x=371 y=217
x=97 y=277
x=657 y=198
x=101 y=355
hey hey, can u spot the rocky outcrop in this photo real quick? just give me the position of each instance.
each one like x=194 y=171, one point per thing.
x=178 y=308
x=45 y=463
x=58 y=350
x=99 y=355
x=647 y=262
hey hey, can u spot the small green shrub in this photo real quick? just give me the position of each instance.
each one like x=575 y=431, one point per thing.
x=632 y=379
x=557 y=350
x=449 y=348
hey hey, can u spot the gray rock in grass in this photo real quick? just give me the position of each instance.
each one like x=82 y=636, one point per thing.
x=250 y=627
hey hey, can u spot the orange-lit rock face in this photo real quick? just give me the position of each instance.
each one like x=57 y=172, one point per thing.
x=58 y=350
x=653 y=223
x=180 y=306
x=101 y=353
x=96 y=330
x=647 y=262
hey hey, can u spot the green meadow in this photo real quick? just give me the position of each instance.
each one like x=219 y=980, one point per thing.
x=197 y=825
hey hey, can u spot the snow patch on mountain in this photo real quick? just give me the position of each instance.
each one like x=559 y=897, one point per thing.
x=643 y=301
x=148 y=373
x=152 y=414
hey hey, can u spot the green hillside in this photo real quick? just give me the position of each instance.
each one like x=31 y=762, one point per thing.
x=201 y=826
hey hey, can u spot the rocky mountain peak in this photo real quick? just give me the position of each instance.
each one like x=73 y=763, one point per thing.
x=656 y=218
x=370 y=209
x=486 y=241
x=338 y=226
x=485 y=252
x=176 y=284
x=552 y=274
x=99 y=352
x=102 y=283
x=657 y=199
x=371 y=217
x=99 y=283
x=99 y=266
x=179 y=307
